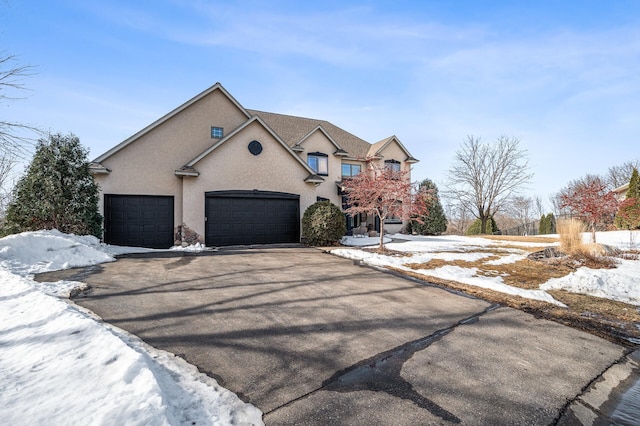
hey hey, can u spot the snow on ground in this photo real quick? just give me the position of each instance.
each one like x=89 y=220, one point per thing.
x=61 y=365
x=620 y=284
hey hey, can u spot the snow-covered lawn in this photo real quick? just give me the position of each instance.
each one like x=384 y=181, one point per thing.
x=621 y=283
x=61 y=365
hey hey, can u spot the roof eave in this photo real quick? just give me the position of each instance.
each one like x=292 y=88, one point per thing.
x=98 y=169
x=313 y=178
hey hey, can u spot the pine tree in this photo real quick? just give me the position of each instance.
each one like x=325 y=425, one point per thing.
x=57 y=190
x=434 y=222
x=634 y=185
x=628 y=216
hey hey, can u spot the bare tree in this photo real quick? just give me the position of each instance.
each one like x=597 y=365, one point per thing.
x=521 y=209
x=619 y=175
x=484 y=176
x=539 y=206
x=7 y=163
x=13 y=141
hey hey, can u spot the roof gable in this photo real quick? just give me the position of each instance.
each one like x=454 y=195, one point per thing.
x=170 y=115
x=294 y=129
x=190 y=166
x=377 y=148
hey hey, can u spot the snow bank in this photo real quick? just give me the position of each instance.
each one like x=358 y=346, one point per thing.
x=348 y=240
x=42 y=251
x=447 y=272
x=622 y=283
x=60 y=365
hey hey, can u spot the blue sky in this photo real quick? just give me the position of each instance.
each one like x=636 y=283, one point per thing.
x=564 y=77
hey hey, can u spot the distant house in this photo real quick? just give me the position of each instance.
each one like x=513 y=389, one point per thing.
x=214 y=172
x=621 y=192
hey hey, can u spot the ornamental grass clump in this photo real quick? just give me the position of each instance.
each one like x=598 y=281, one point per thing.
x=570 y=231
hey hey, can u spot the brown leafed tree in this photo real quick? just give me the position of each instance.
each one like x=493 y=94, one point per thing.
x=590 y=199
x=385 y=193
x=485 y=176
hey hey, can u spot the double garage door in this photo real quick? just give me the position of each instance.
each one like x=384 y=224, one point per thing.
x=232 y=218
x=251 y=217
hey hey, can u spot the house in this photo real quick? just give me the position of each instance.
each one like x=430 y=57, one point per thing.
x=212 y=171
x=621 y=192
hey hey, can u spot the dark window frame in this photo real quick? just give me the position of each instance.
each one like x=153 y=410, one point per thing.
x=319 y=158
x=394 y=165
x=351 y=166
x=215 y=131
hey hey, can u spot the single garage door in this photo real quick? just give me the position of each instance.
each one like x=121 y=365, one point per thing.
x=138 y=220
x=251 y=217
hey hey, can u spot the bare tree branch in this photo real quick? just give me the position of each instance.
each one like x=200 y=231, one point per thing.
x=484 y=177
x=12 y=135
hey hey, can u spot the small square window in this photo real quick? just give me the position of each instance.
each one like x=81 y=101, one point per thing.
x=217 y=132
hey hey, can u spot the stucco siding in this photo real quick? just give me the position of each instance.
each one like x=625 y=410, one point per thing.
x=232 y=167
x=318 y=142
x=147 y=166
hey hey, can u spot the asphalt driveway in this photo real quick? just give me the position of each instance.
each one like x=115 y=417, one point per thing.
x=310 y=338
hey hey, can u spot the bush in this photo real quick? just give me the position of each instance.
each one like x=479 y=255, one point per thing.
x=476 y=227
x=323 y=224
x=56 y=191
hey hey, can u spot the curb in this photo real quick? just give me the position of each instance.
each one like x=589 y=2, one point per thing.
x=613 y=398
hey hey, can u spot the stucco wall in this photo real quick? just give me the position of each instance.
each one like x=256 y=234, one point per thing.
x=318 y=142
x=147 y=166
x=232 y=167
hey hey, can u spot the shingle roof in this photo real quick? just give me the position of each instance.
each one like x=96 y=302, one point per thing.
x=292 y=129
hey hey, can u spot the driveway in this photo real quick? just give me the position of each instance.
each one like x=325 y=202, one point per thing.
x=310 y=338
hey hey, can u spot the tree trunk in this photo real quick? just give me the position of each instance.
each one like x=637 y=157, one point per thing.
x=593 y=232
x=483 y=224
x=381 y=234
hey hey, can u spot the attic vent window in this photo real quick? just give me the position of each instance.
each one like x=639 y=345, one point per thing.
x=217 y=132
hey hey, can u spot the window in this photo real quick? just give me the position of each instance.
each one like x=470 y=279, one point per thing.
x=319 y=162
x=217 y=132
x=350 y=170
x=393 y=219
x=392 y=165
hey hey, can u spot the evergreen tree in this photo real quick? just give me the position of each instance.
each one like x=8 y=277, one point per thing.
x=628 y=216
x=543 y=228
x=547 y=224
x=634 y=185
x=434 y=222
x=476 y=227
x=57 y=190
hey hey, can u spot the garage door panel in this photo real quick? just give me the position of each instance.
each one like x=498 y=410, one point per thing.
x=138 y=220
x=251 y=217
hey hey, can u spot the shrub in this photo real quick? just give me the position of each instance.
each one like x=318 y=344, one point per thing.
x=323 y=224
x=476 y=226
x=547 y=224
x=56 y=191
x=570 y=231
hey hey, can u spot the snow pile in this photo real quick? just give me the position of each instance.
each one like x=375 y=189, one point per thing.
x=618 y=284
x=349 y=240
x=621 y=283
x=60 y=365
x=42 y=251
